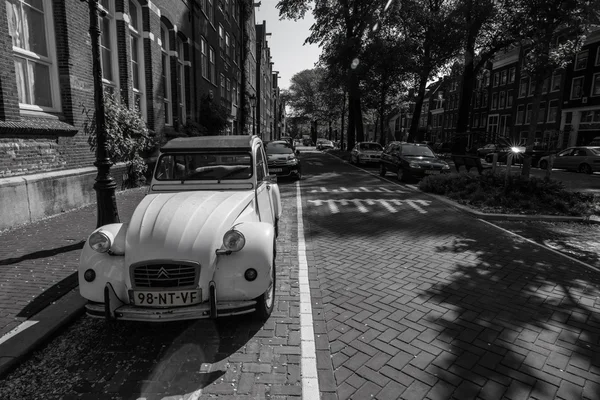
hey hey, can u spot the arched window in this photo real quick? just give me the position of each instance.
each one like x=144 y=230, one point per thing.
x=30 y=26
x=181 y=80
x=138 y=73
x=166 y=74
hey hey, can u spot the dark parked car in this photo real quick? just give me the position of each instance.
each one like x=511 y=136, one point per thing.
x=411 y=160
x=485 y=150
x=282 y=160
x=503 y=149
x=366 y=152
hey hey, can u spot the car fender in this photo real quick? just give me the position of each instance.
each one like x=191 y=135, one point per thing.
x=257 y=253
x=109 y=267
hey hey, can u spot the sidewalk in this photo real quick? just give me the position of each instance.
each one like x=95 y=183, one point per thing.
x=38 y=261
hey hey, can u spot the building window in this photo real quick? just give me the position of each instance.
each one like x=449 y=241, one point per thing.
x=181 y=81
x=211 y=11
x=528 y=114
x=211 y=66
x=234 y=52
x=227 y=45
x=228 y=89
x=597 y=57
x=577 y=88
x=553 y=111
x=581 y=60
x=511 y=75
x=494 y=101
x=502 y=100
x=138 y=73
x=221 y=40
x=203 y=58
x=30 y=25
x=475 y=120
x=234 y=96
x=484 y=101
x=166 y=74
x=542 y=113
x=555 y=84
x=596 y=85
x=531 y=87
x=223 y=87
x=483 y=120
x=523 y=87
x=520 y=114
x=509 y=99
x=108 y=53
x=496 y=78
x=504 y=77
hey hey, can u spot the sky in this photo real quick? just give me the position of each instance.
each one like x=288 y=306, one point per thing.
x=290 y=54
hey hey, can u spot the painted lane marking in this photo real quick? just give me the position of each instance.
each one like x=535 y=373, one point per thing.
x=22 y=326
x=416 y=204
x=361 y=189
x=308 y=368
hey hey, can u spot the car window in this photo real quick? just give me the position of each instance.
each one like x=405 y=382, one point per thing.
x=371 y=146
x=564 y=153
x=204 y=166
x=423 y=151
x=581 y=153
x=595 y=151
x=278 y=148
x=260 y=165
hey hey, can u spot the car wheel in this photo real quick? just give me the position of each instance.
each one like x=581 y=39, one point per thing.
x=585 y=168
x=400 y=174
x=382 y=170
x=266 y=301
x=543 y=164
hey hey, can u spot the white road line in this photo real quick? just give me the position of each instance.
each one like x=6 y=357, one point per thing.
x=310 y=379
x=416 y=207
x=542 y=246
x=343 y=189
x=333 y=207
x=387 y=206
x=359 y=205
x=22 y=326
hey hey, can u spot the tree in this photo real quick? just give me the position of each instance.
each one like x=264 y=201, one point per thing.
x=339 y=29
x=429 y=28
x=551 y=33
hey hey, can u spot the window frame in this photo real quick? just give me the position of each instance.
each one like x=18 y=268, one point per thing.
x=204 y=58
x=212 y=65
x=552 y=81
x=496 y=81
x=595 y=84
x=552 y=104
x=494 y=105
x=520 y=114
x=504 y=77
x=512 y=72
x=180 y=74
x=585 y=53
x=110 y=14
x=573 y=87
x=523 y=84
x=138 y=33
x=597 y=62
x=510 y=98
x=528 y=109
x=165 y=47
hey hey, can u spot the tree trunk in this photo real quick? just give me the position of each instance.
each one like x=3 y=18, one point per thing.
x=351 y=138
x=539 y=81
x=414 y=124
x=330 y=130
x=343 y=120
x=314 y=133
x=382 y=138
x=462 y=124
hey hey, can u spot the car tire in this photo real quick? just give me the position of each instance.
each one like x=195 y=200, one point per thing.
x=400 y=174
x=382 y=170
x=585 y=168
x=265 y=303
x=543 y=164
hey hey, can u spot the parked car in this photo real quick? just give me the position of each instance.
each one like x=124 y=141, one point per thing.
x=582 y=159
x=290 y=140
x=282 y=160
x=325 y=144
x=366 y=152
x=503 y=149
x=411 y=160
x=201 y=244
x=487 y=149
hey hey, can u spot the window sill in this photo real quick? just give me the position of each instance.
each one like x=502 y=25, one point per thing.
x=38 y=124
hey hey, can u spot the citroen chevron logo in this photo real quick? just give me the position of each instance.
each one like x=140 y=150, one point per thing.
x=162 y=273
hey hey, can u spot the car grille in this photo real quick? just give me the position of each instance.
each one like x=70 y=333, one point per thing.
x=277 y=163
x=165 y=275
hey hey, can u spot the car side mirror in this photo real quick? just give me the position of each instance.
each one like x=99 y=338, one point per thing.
x=297 y=152
x=271 y=178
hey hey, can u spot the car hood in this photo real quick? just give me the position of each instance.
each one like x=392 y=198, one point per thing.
x=370 y=152
x=183 y=225
x=278 y=157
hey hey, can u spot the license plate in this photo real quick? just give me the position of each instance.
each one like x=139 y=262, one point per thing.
x=429 y=172
x=275 y=169
x=166 y=298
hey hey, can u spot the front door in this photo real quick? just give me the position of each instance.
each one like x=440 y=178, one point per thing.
x=564 y=159
x=263 y=189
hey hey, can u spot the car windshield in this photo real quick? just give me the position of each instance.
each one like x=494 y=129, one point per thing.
x=278 y=148
x=595 y=150
x=204 y=166
x=421 y=151
x=371 y=146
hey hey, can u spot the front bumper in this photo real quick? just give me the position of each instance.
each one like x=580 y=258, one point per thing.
x=114 y=309
x=285 y=170
x=422 y=173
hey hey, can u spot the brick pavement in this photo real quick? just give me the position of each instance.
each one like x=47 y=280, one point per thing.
x=438 y=305
x=37 y=256
x=230 y=358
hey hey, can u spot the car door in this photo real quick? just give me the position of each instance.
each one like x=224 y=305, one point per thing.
x=563 y=159
x=264 y=195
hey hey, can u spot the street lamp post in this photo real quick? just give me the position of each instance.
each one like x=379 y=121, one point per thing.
x=253 y=105
x=105 y=185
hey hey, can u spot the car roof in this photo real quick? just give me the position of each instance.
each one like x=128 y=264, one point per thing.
x=230 y=142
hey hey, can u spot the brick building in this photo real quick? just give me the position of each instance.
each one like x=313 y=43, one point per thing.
x=163 y=56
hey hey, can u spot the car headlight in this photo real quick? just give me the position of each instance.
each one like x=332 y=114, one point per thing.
x=233 y=240
x=291 y=161
x=445 y=166
x=414 y=165
x=100 y=241
x=515 y=149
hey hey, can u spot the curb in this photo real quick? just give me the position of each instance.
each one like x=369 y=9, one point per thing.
x=47 y=322
x=593 y=219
